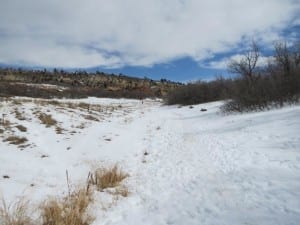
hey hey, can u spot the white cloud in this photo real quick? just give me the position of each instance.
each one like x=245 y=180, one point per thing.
x=222 y=64
x=139 y=32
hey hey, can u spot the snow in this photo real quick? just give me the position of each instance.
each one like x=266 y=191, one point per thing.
x=199 y=167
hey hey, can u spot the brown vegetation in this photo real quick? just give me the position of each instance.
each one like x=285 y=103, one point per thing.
x=15 y=214
x=70 y=210
x=19 y=116
x=254 y=88
x=120 y=191
x=90 y=117
x=79 y=84
x=15 y=140
x=47 y=119
x=21 y=128
x=106 y=177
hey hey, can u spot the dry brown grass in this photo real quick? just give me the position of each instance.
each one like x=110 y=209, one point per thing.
x=47 y=120
x=16 y=102
x=120 y=191
x=15 y=214
x=21 y=128
x=59 y=130
x=70 y=210
x=6 y=123
x=54 y=102
x=106 y=177
x=19 y=115
x=15 y=140
x=81 y=126
x=90 y=117
x=84 y=105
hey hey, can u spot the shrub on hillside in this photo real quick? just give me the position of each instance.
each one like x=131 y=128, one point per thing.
x=16 y=89
x=279 y=83
x=255 y=88
x=200 y=92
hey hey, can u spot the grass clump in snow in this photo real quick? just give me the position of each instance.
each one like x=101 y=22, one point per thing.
x=21 y=128
x=19 y=115
x=47 y=120
x=15 y=140
x=6 y=123
x=90 y=117
x=84 y=105
x=106 y=177
x=120 y=191
x=59 y=130
x=15 y=214
x=70 y=210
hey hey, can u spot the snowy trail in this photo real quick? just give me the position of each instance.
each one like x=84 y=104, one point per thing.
x=195 y=174
x=185 y=166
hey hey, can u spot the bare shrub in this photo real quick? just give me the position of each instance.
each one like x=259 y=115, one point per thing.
x=200 y=92
x=247 y=65
x=106 y=177
x=273 y=86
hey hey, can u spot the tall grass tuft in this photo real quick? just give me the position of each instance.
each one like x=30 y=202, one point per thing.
x=106 y=177
x=16 y=213
x=70 y=210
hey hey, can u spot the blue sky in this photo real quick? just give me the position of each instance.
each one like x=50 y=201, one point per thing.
x=181 y=40
x=183 y=70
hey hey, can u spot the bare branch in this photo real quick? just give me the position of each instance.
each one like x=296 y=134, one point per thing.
x=246 y=66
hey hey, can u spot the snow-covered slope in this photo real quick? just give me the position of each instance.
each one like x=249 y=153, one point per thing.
x=186 y=166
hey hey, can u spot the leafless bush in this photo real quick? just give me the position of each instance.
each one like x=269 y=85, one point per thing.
x=275 y=85
x=200 y=92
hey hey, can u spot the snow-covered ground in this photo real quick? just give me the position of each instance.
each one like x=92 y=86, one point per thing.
x=186 y=166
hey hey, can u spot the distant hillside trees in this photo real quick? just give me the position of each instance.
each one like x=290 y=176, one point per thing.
x=35 y=83
x=200 y=92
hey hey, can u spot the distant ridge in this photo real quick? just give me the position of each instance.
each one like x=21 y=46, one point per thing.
x=64 y=84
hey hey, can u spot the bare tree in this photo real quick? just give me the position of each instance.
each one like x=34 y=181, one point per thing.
x=283 y=57
x=287 y=58
x=246 y=66
x=296 y=53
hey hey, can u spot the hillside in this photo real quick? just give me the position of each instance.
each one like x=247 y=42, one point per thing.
x=63 y=84
x=186 y=165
